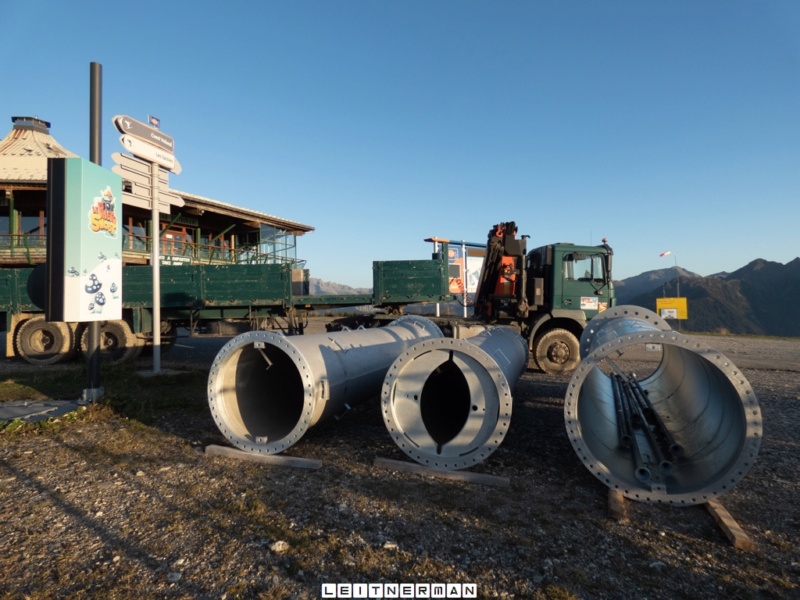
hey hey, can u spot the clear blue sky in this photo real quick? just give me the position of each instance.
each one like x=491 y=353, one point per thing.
x=662 y=125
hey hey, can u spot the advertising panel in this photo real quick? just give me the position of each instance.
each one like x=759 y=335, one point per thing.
x=84 y=242
x=464 y=270
x=455 y=258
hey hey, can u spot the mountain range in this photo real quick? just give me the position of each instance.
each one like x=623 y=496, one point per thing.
x=754 y=300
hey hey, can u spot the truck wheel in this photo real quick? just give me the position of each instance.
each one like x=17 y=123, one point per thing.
x=117 y=342
x=557 y=351
x=42 y=342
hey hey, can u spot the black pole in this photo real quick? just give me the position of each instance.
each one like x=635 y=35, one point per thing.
x=95 y=130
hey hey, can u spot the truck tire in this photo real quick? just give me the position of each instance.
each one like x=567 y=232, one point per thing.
x=117 y=342
x=41 y=342
x=557 y=351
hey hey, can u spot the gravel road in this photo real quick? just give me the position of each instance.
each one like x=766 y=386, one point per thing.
x=106 y=506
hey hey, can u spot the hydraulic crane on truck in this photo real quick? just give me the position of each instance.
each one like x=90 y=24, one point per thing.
x=549 y=293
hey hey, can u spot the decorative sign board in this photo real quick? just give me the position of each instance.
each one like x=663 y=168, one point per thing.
x=84 y=241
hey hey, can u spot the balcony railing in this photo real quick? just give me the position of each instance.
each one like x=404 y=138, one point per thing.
x=28 y=248
x=32 y=249
x=191 y=252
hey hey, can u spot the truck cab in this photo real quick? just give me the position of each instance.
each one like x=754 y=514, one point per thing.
x=567 y=286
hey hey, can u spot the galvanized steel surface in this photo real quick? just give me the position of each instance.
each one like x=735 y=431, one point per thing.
x=447 y=402
x=703 y=399
x=265 y=390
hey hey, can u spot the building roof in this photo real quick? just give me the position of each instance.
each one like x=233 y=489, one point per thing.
x=202 y=203
x=23 y=160
x=25 y=150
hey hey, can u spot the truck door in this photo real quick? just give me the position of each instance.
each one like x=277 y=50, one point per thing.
x=583 y=276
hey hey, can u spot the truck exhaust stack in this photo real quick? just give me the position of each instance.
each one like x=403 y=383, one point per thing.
x=682 y=434
x=447 y=402
x=265 y=390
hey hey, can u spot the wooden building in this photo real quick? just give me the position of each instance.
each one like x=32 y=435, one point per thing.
x=202 y=231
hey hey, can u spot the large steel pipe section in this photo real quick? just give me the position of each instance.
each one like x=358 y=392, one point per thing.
x=265 y=390
x=447 y=402
x=683 y=434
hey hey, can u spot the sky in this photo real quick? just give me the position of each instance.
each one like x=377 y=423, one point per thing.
x=660 y=125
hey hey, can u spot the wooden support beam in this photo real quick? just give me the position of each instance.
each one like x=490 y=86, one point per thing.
x=269 y=459
x=465 y=476
x=729 y=526
x=616 y=505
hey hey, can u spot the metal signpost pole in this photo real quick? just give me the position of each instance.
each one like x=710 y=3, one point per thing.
x=155 y=261
x=436 y=251
x=94 y=391
x=677 y=284
x=466 y=277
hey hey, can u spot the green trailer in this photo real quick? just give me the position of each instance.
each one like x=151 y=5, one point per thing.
x=205 y=300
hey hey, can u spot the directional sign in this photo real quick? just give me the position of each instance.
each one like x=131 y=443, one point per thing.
x=137 y=174
x=144 y=132
x=149 y=152
x=165 y=196
x=137 y=170
x=131 y=200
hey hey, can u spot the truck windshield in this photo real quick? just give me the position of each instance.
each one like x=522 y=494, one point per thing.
x=584 y=268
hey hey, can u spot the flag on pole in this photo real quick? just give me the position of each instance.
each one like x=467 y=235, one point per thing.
x=663 y=254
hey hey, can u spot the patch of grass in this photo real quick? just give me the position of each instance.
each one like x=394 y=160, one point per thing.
x=127 y=391
x=144 y=397
x=19 y=427
x=43 y=384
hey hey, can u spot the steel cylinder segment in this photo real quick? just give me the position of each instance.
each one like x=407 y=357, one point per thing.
x=265 y=390
x=602 y=329
x=447 y=402
x=691 y=428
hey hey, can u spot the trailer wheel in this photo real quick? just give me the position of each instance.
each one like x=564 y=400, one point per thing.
x=43 y=342
x=557 y=351
x=117 y=342
x=169 y=336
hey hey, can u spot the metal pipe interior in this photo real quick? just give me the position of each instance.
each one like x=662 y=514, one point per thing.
x=447 y=403
x=266 y=390
x=703 y=399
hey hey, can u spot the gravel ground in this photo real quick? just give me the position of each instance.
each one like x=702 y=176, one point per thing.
x=103 y=505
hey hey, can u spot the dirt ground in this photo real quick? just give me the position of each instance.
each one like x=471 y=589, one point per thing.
x=102 y=504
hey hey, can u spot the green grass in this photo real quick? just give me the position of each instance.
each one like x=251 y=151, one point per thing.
x=127 y=393
x=42 y=384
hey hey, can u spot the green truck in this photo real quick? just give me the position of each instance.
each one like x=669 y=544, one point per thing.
x=548 y=294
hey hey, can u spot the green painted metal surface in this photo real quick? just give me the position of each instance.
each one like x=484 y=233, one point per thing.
x=410 y=281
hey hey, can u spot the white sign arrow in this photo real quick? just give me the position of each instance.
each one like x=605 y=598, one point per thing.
x=149 y=152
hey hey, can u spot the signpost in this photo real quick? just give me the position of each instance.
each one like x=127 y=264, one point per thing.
x=150 y=153
x=149 y=189
x=138 y=175
x=144 y=132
